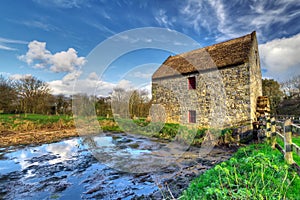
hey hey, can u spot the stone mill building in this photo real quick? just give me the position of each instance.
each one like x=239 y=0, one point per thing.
x=196 y=86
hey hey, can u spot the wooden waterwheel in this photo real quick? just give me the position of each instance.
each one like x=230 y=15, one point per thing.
x=262 y=115
x=262 y=106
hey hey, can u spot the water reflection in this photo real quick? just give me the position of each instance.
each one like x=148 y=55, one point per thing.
x=27 y=157
x=67 y=168
x=109 y=148
x=132 y=155
x=65 y=150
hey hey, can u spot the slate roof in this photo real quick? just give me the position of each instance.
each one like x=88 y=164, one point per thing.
x=229 y=53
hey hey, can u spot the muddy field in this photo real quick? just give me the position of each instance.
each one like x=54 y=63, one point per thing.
x=107 y=166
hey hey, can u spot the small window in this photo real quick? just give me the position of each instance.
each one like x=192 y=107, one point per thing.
x=192 y=116
x=192 y=83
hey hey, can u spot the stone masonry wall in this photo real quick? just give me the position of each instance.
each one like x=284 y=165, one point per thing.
x=255 y=78
x=173 y=94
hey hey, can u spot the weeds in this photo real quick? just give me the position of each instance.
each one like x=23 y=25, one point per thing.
x=254 y=172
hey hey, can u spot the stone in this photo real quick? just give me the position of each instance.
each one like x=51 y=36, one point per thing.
x=226 y=92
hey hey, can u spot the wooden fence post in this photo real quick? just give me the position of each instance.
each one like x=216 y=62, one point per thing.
x=288 y=141
x=273 y=132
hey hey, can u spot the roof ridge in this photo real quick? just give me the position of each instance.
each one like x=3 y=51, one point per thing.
x=228 y=53
x=217 y=44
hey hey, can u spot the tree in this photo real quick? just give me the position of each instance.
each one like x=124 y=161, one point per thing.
x=129 y=103
x=8 y=96
x=103 y=106
x=119 y=102
x=139 y=103
x=83 y=105
x=291 y=87
x=291 y=103
x=34 y=95
x=271 y=89
x=62 y=105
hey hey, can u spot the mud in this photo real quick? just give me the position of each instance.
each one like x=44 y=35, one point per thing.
x=71 y=170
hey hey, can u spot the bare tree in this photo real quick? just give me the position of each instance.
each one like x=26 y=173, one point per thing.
x=119 y=102
x=34 y=95
x=139 y=103
x=296 y=85
x=291 y=87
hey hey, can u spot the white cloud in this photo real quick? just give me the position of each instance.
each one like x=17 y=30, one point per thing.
x=223 y=20
x=60 y=87
x=64 y=61
x=262 y=16
x=93 y=76
x=99 y=26
x=280 y=57
x=220 y=12
x=19 y=76
x=72 y=76
x=37 y=52
x=7 y=48
x=142 y=75
x=38 y=24
x=163 y=19
x=63 y=3
x=72 y=84
x=5 y=41
x=193 y=12
x=223 y=24
x=125 y=84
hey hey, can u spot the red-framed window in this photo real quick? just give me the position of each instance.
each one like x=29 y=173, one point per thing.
x=192 y=83
x=192 y=116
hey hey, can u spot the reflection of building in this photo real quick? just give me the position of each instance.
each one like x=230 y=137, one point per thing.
x=184 y=86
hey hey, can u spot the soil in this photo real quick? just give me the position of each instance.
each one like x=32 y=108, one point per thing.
x=45 y=136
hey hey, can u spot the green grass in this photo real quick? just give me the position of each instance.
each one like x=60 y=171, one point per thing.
x=296 y=140
x=254 y=172
x=34 y=118
x=27 y=122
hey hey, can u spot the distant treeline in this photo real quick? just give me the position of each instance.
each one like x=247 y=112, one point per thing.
x=31 y=95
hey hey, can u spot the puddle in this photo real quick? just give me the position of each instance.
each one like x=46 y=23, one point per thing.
x=69 y=170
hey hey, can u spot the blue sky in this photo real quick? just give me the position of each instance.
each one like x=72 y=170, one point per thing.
x=52 y=39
